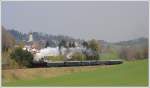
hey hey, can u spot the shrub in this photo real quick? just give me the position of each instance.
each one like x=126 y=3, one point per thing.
x=22 y=57
x=7 y=62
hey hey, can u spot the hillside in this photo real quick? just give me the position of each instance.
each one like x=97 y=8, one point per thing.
x=135 y=42
x=138 y=43
x=8 y=42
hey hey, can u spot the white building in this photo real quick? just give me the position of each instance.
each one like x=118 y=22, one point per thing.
x=30 y=37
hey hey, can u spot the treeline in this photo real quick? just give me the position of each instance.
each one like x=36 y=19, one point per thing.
x=132 y=53
x=133 y=49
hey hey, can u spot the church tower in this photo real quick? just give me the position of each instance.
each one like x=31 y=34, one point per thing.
x=30 y=37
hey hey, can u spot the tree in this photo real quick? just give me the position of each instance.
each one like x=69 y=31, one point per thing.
x=145 y=52
x=61 y=44
x=73 y=44
x=47 y=44
x=59 y=47
x=70 y=44
x=8 y=40
x=85 y=44
x=123 y=53
x=131 y=53
x=22 y=57
x=95 y=47
x=8 y=43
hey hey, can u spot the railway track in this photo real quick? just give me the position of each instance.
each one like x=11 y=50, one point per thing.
x=78 y=63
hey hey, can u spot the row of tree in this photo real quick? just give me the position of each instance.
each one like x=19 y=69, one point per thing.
x=132 y=53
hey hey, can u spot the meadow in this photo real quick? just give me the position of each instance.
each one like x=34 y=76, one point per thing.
x=130 y=73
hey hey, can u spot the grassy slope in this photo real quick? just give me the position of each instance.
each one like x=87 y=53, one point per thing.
x=128 y=74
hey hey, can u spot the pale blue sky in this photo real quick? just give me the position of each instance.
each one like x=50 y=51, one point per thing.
x=110 y=21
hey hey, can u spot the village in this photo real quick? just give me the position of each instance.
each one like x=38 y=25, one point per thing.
x=41 y=54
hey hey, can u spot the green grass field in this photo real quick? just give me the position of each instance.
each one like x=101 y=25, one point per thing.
x=133 y=73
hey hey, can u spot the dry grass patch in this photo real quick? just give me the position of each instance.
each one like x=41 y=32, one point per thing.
x=33 y=73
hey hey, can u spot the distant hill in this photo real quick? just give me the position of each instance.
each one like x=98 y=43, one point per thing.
x=139 y=41
x=135 y=43
x=54 y=39
x=38 y=36
x=19 y=36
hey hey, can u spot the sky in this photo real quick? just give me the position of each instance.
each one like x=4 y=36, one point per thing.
x=111 y=21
